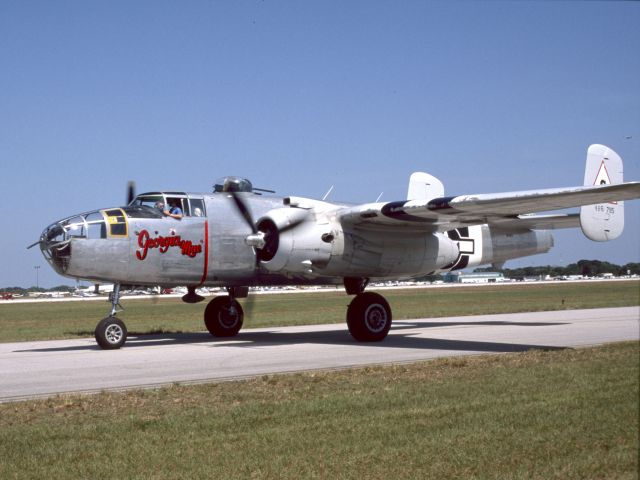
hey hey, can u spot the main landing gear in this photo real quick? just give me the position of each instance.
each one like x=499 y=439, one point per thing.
x=368 y=315
x=223 y=316
x=111 y=332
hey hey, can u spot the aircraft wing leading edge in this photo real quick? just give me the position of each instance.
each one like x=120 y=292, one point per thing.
x=442 y=214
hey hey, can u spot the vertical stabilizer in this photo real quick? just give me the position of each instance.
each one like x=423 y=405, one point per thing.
x=423 y=186
x=604 y=221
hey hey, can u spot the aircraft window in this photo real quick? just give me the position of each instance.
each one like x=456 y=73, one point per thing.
x=117 y=223
x=148 y=201
x=182 y=203
x=75 y=227
x=197 y=207
x=96 y=227
x=134 y=211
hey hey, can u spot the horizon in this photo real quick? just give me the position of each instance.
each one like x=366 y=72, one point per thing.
x=86 y=284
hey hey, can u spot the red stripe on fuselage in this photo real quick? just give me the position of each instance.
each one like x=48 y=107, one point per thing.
x=206 y=253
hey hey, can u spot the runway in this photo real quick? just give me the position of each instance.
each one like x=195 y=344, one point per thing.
x=46 y=368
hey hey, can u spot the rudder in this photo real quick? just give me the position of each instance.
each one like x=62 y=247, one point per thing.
x=423 y=186
x=603 y=221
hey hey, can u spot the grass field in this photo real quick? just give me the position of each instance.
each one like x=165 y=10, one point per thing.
x=37 y=321
x=570 y=414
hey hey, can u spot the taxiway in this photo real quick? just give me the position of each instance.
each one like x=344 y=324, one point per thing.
x=46 y=368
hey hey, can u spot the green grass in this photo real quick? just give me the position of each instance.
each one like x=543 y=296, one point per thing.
x=570 y=414
x=36 y=321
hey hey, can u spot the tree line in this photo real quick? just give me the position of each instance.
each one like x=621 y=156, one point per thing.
x=587 y=268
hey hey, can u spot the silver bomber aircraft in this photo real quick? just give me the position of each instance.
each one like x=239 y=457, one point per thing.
x=238 y=238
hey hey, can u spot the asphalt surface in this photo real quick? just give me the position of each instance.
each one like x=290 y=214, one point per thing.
x=46 y=368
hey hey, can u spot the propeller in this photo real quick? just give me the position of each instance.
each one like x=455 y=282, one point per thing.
x=264 y=238
x=131 y=191
x=244 y=211
x=265 y=235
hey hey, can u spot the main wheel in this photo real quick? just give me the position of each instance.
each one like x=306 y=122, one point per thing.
x=111 y=333
x=369 y=317
x=223 y=317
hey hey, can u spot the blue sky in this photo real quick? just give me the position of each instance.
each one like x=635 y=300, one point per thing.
x=299 y=96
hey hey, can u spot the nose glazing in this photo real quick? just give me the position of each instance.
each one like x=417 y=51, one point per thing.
x=55 y=244
x=56 y=241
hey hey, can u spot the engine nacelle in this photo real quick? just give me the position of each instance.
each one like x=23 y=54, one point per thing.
x=296 y=240
x=482 y=244
x=393 y=254
x=507 y=245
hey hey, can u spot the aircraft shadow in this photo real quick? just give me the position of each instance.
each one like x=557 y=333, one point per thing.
x=252 y=339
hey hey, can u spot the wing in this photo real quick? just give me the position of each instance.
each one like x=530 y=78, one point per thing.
x=510 y=209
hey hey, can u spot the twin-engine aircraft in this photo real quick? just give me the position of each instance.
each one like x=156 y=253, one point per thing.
x=238 y=238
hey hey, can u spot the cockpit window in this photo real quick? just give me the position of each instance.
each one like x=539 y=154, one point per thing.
x=145 y=205
x=148 y=201
x=182 y=203
x=197 y=207
x=142 y=212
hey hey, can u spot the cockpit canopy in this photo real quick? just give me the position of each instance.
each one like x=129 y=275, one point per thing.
x=191 y=207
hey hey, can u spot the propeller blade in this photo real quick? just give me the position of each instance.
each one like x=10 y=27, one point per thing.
x=247 y=306
x=291 y=226
x=244 y=210
x=131 y=191
x=265 y=237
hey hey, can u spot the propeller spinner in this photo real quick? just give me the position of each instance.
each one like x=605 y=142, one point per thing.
x=265 y=234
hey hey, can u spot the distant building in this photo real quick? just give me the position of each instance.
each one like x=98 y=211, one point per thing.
x=476 y=277
x=606 y=275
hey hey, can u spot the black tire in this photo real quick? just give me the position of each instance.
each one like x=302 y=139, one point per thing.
x=223 y=317
x=111 y=333
x=369 y=317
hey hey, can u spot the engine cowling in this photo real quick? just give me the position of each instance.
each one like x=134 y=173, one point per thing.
x=482 y=244
x=296 y=240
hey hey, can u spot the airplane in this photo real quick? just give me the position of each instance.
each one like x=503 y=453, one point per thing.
x=236 y=237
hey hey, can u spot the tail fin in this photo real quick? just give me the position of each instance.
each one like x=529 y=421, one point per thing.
x=423 y=186
x=604 y=221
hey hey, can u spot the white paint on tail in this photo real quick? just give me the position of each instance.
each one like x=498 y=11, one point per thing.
x=603 y=221
x=423 y=186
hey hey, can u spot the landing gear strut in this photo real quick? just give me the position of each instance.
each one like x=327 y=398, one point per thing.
x=369 y=314
x=223 y=315
x=111 y=332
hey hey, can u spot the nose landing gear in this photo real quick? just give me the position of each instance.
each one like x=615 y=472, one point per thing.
x=111 y=332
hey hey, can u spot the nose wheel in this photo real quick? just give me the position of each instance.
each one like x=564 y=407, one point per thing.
x=111 y=332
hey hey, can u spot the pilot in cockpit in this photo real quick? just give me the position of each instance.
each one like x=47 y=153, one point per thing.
x=174 y=210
